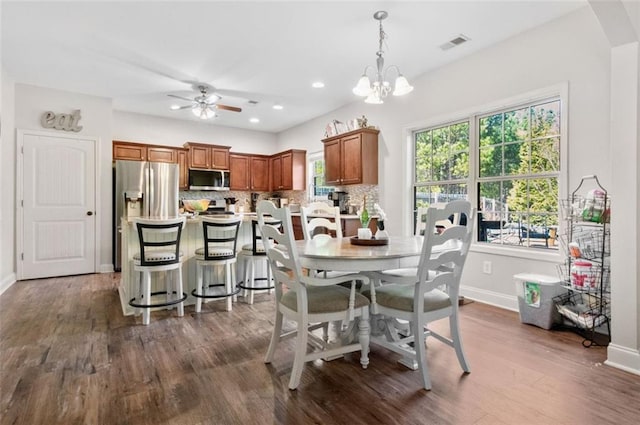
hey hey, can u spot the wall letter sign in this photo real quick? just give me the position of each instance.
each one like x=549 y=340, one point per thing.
x=68 y=122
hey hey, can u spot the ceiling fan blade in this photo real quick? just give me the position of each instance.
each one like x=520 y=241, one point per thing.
x=180 y=97
x=227 y=107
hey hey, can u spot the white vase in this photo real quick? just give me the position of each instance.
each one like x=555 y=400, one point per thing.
x=364 y=233
x=382 y=234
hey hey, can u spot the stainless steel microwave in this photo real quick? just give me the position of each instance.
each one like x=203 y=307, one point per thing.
x=208 y=179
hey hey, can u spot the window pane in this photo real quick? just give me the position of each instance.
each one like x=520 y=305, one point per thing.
x=491 y=130
x=491 y=161
x=545 y=119
x=516 y=125
x=427 y=195
x=423 y=156
x=460 y=165
x=516 y=158
x=545 y=155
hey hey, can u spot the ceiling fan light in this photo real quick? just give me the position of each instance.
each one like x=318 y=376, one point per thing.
x=402 y=86
x=203 y=113
x=363 y=88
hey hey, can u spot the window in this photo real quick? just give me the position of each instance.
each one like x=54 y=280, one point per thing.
x=442 y=164
x=317 y=187
x=516 y=169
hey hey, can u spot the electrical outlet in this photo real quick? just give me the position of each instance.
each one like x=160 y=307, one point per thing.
x=486 y=267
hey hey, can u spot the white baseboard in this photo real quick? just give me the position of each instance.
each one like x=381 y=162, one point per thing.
x=497 y=299
x=623 y=358
x=105 y=268
x=7 y=282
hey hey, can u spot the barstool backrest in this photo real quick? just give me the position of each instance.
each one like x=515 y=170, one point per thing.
x=222 y=232
x=257 y=236
x=156 y=234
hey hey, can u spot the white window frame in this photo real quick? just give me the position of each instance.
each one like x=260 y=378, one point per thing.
x=560 y=91
x=311 y=158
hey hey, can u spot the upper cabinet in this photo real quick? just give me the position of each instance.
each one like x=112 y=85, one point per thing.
x=249 y=172
x=289 y=170
x=205 y=156
x=183 y=164
x=352 y=158
x=162 y=154
x=129 y=151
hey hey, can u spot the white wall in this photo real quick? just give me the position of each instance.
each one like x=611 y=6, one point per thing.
x=7 y=183
x=132 y=127
x=32 y=101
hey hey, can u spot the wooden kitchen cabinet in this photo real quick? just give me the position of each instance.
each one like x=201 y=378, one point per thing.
x=162 y=154
x=183 y=168
x=129 y=151
x=289 y=170
x=205 y=156
x=352 y=158
x=249 y=172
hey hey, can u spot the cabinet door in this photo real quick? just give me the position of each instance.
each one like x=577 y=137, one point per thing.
x=239 y=172
x=129 y=151
x=276 y=173
x=259 y=173
x=183 y=168
x=199 y=157
x=286 y=162
x=332 y=162
x=220 y=158
x=351 y=169
x=158 y=154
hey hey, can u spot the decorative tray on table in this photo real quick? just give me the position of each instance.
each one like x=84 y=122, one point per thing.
x=369 y=242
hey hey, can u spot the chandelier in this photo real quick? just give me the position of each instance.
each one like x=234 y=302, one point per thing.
x=380 y=87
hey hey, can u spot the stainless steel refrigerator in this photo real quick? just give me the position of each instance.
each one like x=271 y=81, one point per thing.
x=147 y=189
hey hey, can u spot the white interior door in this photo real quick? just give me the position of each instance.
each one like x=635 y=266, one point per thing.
x=58 y=205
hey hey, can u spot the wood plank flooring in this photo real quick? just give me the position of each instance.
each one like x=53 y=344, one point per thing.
x=69 y=356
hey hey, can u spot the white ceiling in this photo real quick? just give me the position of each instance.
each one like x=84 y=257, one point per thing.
x=269 y=51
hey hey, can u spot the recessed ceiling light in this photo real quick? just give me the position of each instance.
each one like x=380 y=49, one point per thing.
x=254 y=120
x=277 y=106
x=317 y=85
x=175 y=107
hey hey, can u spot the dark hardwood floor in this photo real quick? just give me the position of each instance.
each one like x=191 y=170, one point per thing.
x=69 y=356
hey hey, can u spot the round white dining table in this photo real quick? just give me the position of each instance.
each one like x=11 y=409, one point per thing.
x=339 y=254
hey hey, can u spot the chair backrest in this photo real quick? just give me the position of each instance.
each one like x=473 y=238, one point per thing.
x=220 y=232
x=279 y=243
x=311 y=225
x=256 y=235
x=421 y=219
x=445 y=250
x=158 y=235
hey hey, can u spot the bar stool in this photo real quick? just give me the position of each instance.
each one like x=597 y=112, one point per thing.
x=251 y=255
x=220 y=237
x=159 y=252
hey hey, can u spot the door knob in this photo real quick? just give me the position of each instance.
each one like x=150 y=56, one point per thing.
x=89 y=212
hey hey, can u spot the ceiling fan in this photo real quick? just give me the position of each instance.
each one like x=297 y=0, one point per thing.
x=204 y=105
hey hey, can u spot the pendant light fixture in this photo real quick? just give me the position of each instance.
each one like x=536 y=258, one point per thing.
x=380 y=87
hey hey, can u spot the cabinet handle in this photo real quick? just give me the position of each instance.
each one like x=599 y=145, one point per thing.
x=89 y=212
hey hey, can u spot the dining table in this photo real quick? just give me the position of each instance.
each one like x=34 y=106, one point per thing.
x=342 y=254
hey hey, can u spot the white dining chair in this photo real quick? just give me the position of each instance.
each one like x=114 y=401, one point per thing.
x=312 y=224
x=309 y=301
x=427 y=293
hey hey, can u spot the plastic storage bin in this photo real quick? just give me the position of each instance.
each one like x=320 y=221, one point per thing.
x=535 y=299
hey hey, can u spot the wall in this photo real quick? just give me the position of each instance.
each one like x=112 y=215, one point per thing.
x=32 y=101
x=7 y=182
x=533 y=60
x=132 y=127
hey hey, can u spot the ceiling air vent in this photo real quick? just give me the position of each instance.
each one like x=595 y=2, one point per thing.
x=253 y=102
x=456 y=41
